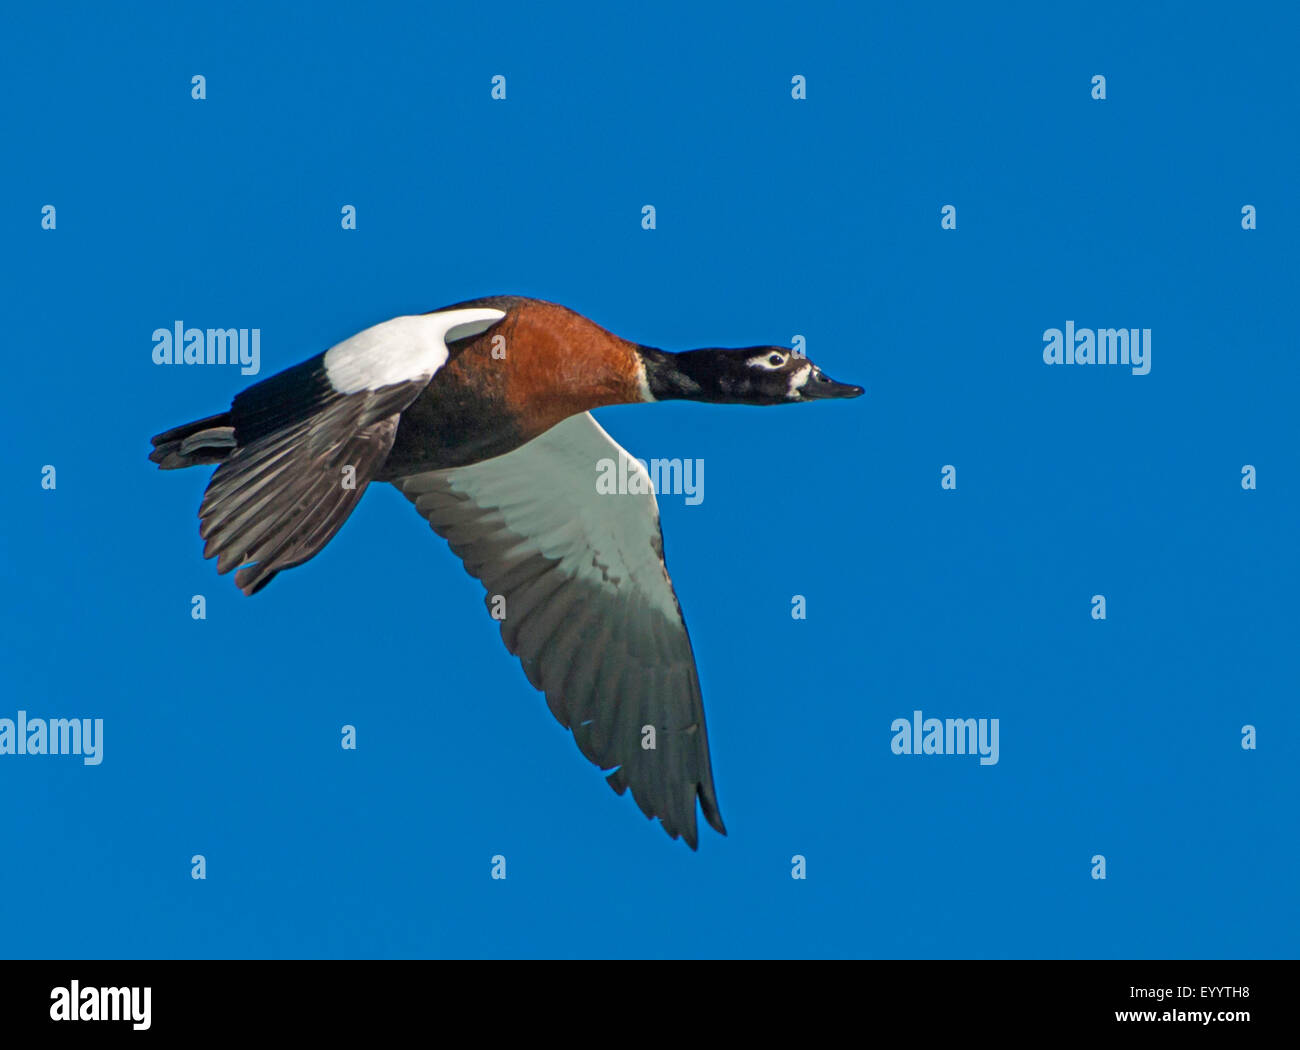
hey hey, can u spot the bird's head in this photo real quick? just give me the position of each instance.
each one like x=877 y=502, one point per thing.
x=751 y=375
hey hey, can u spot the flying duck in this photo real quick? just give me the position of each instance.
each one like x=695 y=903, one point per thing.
x=479 y=414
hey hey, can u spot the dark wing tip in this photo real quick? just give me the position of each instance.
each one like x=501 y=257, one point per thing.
x=689 y=833
x=252 y=578
x=711 y=812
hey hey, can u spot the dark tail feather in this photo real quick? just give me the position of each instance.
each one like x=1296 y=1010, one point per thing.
x=195 y=444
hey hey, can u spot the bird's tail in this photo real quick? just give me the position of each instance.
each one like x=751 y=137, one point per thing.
x=195 y=444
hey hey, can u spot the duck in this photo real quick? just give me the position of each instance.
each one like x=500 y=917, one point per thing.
x=479 y=413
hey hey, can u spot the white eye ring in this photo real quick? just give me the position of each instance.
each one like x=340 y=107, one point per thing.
x=765 y=360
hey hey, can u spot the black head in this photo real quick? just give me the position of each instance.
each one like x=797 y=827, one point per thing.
x=751 y=375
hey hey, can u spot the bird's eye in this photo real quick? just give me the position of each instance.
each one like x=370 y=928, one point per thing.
x=776 y=359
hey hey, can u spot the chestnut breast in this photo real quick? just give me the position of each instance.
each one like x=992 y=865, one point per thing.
x=556 y=364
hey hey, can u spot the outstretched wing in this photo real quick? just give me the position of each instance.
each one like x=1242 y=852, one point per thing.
x=589 y=607
x=297 y=450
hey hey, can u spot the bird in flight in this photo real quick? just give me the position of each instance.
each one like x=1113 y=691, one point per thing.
x=479 y=413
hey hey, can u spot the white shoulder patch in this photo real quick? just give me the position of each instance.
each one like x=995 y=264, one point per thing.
x=402 y=350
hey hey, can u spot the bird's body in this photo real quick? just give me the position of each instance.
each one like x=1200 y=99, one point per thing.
x=478 y=413
x=479 y=405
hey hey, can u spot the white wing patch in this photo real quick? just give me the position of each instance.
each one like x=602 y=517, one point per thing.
x=401 y=350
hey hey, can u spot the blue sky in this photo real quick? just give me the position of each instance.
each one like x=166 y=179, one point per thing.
x=775 y=217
